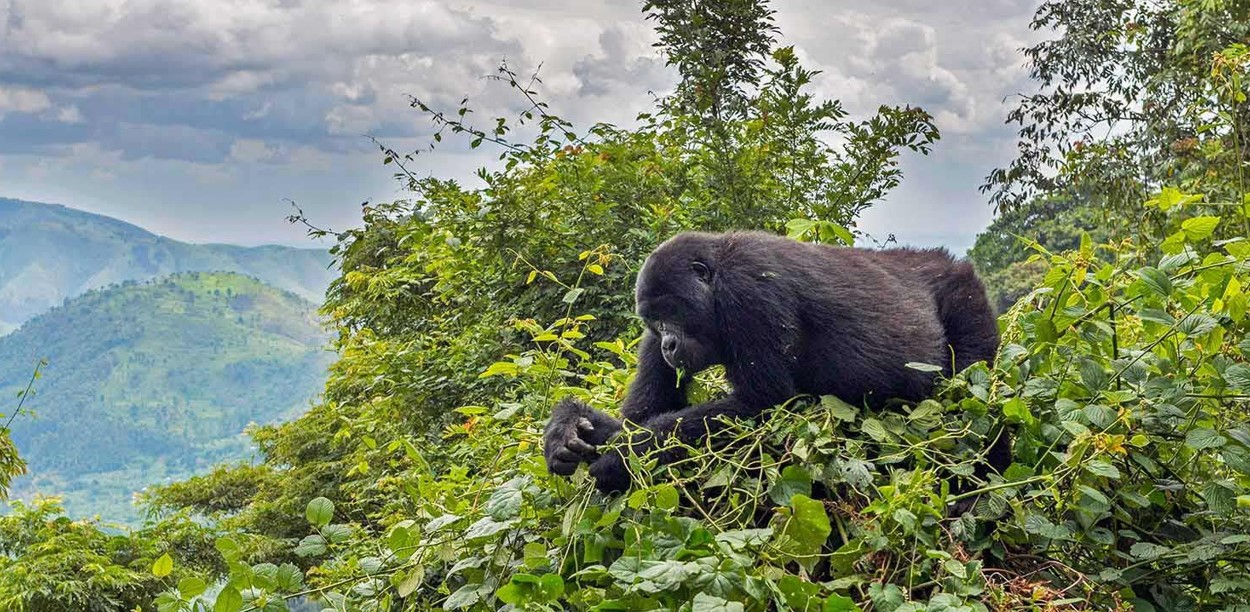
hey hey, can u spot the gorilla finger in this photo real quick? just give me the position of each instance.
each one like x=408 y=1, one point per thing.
x=580 y=446
x=562 y=468
x=564 y=455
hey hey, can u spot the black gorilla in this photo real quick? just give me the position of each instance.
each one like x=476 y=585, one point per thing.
x=784 y=318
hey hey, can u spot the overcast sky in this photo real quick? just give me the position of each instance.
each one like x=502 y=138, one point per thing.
x=197 y=118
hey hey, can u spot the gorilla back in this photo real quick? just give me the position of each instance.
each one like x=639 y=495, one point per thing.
x=846 y=321
x=784 y=318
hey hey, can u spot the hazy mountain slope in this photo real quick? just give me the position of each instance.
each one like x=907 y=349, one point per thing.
x=156 y=379
x=49 y=252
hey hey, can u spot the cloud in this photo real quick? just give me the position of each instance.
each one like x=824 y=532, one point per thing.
x=19 y=100
x=192 y=100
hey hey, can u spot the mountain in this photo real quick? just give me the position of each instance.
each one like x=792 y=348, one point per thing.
x=49 y=253
x=154 y=380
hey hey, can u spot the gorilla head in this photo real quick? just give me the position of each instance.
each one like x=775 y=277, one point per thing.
x=674 y=297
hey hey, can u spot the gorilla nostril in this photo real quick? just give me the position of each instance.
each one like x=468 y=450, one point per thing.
x=669 y=344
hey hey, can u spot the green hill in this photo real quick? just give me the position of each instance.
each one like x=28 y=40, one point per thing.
x=155 y=380
x=49 y=253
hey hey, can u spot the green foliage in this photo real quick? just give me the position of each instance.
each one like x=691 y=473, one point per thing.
x=11 y=463
x=1129 y=99
x=50 y=562
x=1121 y=379
x=148 y=381
x=1001 y=252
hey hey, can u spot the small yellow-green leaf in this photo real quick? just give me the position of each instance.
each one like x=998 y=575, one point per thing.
x=163 y=566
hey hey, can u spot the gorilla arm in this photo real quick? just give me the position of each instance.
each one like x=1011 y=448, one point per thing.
x=576 y=430
x=756 y=362
x=754 y=391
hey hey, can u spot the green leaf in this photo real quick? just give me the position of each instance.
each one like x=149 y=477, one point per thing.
x=163 y=566
x=319 y=512
x=1238 y=376
x=840 y=603
x=505 y=502
x=1199 y=228
x=501 y=368
x=408 y=582
x=806 y=528
x=798 y=593
x=572 y=295
x=1016 y=410
x=840 y=410
x=192 y=586
x=486 y=527
x=310 y=546
x=228 y=600
x=1147 y=550
x=1202 y=438
x=710 y=603
x=337 y=533
x=667 y=498
x=1156 y=280
x=794 y=480
x=923 y=367
x=1102 y=467
x=466 y=596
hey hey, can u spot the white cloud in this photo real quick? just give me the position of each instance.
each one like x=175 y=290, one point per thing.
x=250 y=151
x=21 y=100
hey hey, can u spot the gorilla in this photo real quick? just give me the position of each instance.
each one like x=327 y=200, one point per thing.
x=784 y=318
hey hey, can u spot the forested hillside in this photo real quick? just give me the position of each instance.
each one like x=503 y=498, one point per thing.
x=464 y=313
x=50 y=252
x=152 y=381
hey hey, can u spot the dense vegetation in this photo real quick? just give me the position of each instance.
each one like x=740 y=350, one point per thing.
x=463 y=313
x=50 y=253
x=151 y=382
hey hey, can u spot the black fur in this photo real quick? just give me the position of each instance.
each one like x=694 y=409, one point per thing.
x=784 y=318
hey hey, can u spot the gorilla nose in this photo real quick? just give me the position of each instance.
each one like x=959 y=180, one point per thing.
x=668 y=344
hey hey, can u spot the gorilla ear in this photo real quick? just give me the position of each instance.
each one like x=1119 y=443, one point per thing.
x=702 y=271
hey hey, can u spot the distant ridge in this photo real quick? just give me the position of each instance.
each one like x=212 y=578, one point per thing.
x=51 y=252
x=148 y=381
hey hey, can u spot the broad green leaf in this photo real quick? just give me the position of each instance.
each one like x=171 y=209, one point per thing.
x=1156 y=280
x=407 y=582
x=1016 y=410
x=505 y=502
x=805 y=530
x=1202 y=438
x=710 y=603
x=192 y=586
x=228 y=600
x=667 y=498
x=319 y=512
x=311 y=545
x=1238 y=376
x=486 y=527
x=1199 y=228
x=793 y=480
x=840 y=603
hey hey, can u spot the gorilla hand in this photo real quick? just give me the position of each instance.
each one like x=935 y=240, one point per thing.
x=572 y=434
x=610 y=473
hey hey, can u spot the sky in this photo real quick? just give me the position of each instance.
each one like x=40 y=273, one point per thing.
x=200 y=119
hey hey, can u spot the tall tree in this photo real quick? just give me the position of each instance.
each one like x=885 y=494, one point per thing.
x=1125 y=102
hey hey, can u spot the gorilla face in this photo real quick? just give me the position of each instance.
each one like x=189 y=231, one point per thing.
x=674 y=298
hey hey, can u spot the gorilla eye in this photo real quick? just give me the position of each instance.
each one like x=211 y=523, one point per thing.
x=701 y=270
